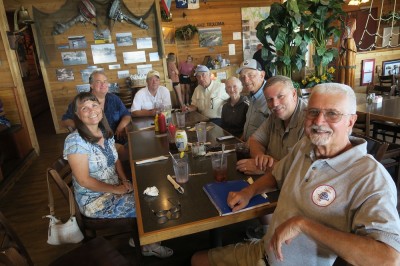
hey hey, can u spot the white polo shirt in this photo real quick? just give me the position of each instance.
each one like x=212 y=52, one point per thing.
x=144 y=100
x=209 y=101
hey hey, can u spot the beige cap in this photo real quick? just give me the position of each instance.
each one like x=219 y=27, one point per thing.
x=153 y=73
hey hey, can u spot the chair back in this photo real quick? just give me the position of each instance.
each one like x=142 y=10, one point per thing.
x=384 y=90
x=61 y=173
x=126 y=98
x=387 y=80
x=375 y=147
x=12 y=250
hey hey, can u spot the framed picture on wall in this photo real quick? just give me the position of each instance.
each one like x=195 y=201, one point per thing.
x=367 y=71
x=391 y=67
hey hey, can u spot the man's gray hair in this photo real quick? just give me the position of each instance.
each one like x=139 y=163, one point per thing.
x=338 y=88
x=95 y=73
x=279 y=79
x=235 y=80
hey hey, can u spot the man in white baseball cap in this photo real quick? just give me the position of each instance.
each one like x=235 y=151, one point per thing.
x=252 y=77
x=146 y=98
x=209 y=96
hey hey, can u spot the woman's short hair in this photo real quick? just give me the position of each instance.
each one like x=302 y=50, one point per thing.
x=83 y=130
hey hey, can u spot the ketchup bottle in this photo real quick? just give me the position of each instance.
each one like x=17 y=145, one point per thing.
x=162 y=124
x=156 y=127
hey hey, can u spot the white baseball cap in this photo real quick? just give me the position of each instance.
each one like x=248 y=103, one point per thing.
x=153 y=73
x=251 y=64
x=201 y=69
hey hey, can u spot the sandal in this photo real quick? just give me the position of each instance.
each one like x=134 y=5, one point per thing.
x=161 y=252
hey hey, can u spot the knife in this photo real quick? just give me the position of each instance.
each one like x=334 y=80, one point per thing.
x=176 y=185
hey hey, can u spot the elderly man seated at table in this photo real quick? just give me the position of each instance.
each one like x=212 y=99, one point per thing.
x=147 y=99
x=335 y=199
x=209 y=96
x=252 y=77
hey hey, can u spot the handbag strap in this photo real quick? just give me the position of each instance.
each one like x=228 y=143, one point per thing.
x=51 y=199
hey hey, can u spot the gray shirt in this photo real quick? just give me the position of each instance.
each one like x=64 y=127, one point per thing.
x=351 y=192
x=256 y=114
x=277 y=140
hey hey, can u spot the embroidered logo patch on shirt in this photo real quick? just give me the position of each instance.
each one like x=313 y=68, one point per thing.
x=323 y=195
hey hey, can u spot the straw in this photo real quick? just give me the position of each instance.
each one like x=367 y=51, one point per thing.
x=222 y=154
x=173 y=158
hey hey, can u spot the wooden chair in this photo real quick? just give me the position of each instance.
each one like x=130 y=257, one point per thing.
x=383 y=90
x=386 y=81
x=12 y=251
x=61 y=174
x=375 y=147
x=126 y=98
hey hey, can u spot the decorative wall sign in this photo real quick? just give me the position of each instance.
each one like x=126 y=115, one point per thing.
x=210 y=37
x=124 y=39
x=144 y=43
x=77 y=42
x=391 y=67
x=134 y=57
x=64 y=74
x=74 y=58
x=103 y=53
x=251 y=16
x=367 y=71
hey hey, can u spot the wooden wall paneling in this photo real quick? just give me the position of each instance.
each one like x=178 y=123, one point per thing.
x=19 y=95
x=215 y=11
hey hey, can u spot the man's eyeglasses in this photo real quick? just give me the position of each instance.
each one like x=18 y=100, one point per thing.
x=331 y=116
x=99 y=82
x=173 y=213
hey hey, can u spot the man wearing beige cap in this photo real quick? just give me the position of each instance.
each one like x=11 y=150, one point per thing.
x=209 y=96
x=146 y=99
x=252 y=77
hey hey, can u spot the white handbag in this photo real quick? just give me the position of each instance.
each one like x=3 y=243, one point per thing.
x=62 y=233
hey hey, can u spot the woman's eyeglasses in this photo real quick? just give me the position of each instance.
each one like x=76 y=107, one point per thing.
x=173 y=213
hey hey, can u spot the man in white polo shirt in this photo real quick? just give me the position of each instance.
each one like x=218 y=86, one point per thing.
x=146 y=98
x=209 y=96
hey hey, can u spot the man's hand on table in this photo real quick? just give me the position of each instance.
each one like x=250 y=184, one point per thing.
x=238 y=200
x=248 y=167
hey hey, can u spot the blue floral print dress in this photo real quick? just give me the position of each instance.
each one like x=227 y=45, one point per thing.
x=101 y=167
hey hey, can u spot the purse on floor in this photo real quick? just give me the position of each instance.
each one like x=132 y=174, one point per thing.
x=62 y=233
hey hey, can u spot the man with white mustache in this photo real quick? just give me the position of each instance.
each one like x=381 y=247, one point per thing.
x=280 y=132
x=335 y=200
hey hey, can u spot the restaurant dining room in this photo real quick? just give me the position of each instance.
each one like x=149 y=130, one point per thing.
x=146 y=132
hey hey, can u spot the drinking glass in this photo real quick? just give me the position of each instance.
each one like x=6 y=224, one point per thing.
x=181 y=168
x=242 y=151
x=201 y=131
x=219 y=166
x=180 y=119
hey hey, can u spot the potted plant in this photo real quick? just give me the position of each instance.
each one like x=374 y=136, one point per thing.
x=283 y=42
x=321 y=21
x=291 y=26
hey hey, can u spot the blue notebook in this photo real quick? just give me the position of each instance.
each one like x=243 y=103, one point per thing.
x=218 y=193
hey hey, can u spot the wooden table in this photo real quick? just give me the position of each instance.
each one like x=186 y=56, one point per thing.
x=197 y=212
x=387 y=110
